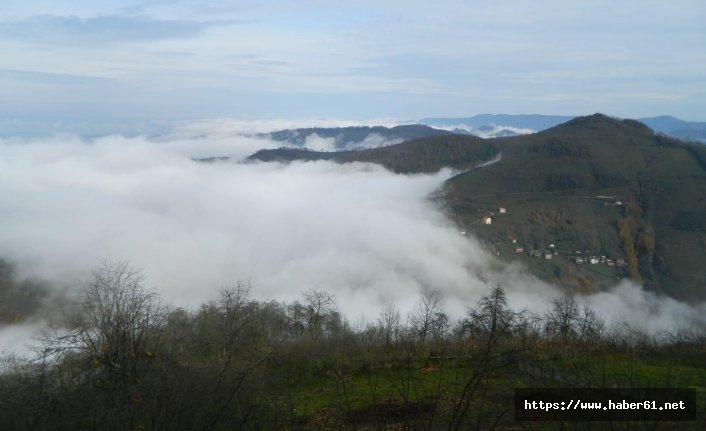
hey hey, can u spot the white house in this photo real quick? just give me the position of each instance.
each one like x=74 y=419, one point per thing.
x=487 y=220
x=502 y=210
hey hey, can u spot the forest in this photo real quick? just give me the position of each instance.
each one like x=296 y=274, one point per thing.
x=124 y=360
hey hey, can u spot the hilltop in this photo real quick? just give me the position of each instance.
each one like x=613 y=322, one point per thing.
x=593 y=187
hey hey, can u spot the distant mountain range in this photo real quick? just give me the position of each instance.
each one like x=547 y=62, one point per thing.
x=484 y=126
x=350 y=138
x=592 y=189
x=488 y=125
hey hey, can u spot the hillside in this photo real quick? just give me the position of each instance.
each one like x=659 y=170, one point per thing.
x=421 y=155
x=594 y=186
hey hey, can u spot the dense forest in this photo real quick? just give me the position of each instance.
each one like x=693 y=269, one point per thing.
x=126 y=361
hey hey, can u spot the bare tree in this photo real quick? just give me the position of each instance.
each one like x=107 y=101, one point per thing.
x=563 y=319
x=111 y=341
x=424 y=313
x=319 y=306
x=389 y=324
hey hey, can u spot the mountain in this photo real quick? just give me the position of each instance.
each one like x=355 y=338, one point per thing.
x=344 y=138
x=687 y=130
x=593 y=187
x=421 y=155
x=487 y=125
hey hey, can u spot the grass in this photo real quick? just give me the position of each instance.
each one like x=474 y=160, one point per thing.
x=385 y=387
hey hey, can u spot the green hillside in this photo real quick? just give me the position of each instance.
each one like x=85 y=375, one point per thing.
x=598 y=186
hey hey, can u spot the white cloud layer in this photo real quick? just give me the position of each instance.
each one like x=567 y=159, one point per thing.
x=367 y=235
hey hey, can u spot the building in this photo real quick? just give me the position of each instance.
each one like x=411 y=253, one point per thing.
x=594 y=260
x=487 y=220
x=502 y=210
x=578 y=260
x=548 y=255
x=519 y=250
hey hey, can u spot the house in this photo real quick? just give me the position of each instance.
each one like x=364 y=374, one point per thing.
x=594 y=260
x=519 y=250
x=551 y=245
x=487 y=220
x=548 y=255
x=610 y=262
x=514 y=241
x=502 y=210
x=578 y=260
x=620 y=261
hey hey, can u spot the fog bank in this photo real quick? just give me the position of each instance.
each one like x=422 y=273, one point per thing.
x=369 y=236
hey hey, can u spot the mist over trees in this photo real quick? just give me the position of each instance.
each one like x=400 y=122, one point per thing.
x=127 y=361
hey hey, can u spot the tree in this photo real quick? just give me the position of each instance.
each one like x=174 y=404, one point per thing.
x=562 y=320
x=422 y=318
x=111 y=342
x=119 y=317
x=319 y=306
x=389 y=324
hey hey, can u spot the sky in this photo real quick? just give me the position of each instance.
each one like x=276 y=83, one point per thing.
x=132 y=66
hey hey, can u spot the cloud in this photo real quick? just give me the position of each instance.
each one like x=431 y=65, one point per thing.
x=369 y=236
x=318 y=143
x=372 y=140
x=97 y=30
x=489 y=131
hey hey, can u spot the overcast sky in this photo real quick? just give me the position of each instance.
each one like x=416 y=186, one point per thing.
x=133 y=62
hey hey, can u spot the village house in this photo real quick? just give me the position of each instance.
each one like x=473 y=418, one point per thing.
x=548 y=255
x=487 y=220
x=502 y=210
x=519 y=250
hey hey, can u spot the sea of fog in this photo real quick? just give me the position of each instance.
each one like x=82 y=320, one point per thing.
x=369 y=236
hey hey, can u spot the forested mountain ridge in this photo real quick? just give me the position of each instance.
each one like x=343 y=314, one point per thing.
x=595 y=187
x=420 y=155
